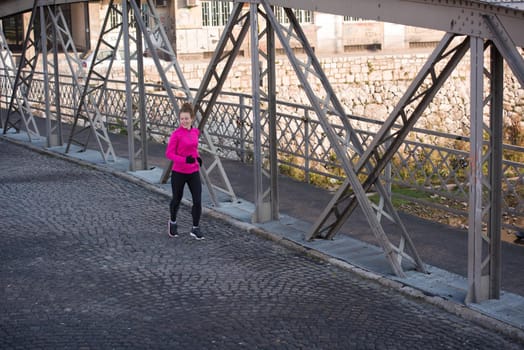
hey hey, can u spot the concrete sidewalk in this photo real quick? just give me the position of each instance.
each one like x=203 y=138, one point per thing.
x=442 y=248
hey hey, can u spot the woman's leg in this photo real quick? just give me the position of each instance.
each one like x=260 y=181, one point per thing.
x=195 y=186
x=178 y=181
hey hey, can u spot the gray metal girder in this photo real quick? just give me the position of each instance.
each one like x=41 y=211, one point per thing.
x=88 y=119
x=485 y=185
x=13 y=7
x=463 y=17
x=328 y=107
x=157 y=31
x=263 y=86
x=22 y=84
x=392 y=133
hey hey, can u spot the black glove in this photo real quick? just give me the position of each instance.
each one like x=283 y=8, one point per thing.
x=199 y=161
x=190 y=160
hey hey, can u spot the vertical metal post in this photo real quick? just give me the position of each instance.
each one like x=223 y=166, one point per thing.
x=45 y=66
x=87 y=111
x=476 y=285
x=260 y=213
x=242 y=122
x=272 y=115
x=387 y=172
x=307 y=145
x=141 y=91
x=494 y=224
x=19 y=103
x=129 y=92
x=56 y=140
x=266 y=202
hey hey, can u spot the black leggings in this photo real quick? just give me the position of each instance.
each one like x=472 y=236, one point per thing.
x=178 y=181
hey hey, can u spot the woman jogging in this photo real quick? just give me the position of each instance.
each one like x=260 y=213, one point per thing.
x=182 y=149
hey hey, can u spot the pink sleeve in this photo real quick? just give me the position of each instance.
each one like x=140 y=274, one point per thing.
x=171 y=150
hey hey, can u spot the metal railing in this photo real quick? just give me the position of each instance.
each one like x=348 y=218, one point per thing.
x=432 y=165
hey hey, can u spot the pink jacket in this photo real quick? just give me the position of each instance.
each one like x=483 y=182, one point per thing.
x=183 y=143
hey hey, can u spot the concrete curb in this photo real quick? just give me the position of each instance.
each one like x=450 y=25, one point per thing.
x=452 y=307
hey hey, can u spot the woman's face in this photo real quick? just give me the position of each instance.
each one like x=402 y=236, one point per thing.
x=185 y=120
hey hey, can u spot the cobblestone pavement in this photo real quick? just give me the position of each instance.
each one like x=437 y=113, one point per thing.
x=85 y=262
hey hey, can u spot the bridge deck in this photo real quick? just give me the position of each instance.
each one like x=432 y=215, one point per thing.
x=441 y=246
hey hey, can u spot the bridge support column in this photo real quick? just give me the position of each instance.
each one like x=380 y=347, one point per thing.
x=264 y=120
x=485 y=199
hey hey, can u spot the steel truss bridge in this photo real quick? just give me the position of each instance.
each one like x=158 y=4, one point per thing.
x=480 y=28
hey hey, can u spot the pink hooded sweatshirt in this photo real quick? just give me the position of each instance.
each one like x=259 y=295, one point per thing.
x=183 y=143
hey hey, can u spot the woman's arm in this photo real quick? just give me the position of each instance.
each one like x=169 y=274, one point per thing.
x=171 y=150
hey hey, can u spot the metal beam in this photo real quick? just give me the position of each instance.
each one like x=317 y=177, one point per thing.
x=134 y=82
x=63 y=37
x=13 y=7
x=155 y=29
x=347 y=146
x=506 y=47
x=50 y=40
x=8 y=69
x=263 y=87
x=394 y=131
x=54 y=32
x=460 y=17
x=270 y=74
x=484 y=243
x=262 y=212
x=478 y=282
x=495 y=172
x=19 y=110
x=88 y=119
x=463 y=17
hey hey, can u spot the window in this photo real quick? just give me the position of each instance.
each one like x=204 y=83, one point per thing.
x=14 y=31
x=115 y=17
x=353 y=19
x=14 y=27
x=215 y=13
x=303 y=16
